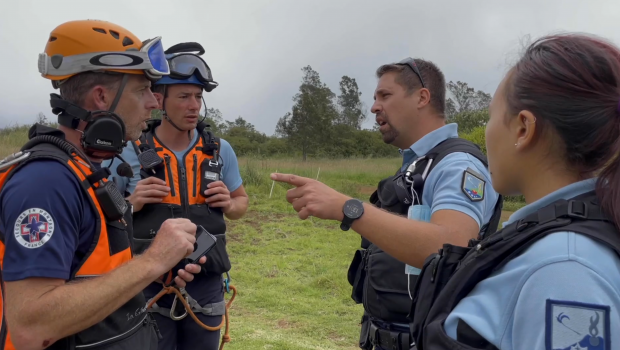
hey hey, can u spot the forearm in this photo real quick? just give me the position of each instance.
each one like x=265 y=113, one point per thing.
x=239 y=205
x=409 y=241
x=70 y=308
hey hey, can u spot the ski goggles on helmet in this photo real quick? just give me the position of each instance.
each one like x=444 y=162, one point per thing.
x=150 y=59
x=184 y=65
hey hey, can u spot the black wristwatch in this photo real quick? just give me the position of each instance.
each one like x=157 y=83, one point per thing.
x=352 y=210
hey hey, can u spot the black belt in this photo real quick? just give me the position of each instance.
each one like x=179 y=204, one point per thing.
x=390 y=340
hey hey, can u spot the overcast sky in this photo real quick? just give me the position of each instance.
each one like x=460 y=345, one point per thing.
x=256 y=48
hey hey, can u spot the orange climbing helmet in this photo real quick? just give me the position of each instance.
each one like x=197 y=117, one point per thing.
x=93 y=45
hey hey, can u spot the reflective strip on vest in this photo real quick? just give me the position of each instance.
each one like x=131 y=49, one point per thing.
x=97 y=262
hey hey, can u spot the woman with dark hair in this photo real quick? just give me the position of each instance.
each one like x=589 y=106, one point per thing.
x=550 y=279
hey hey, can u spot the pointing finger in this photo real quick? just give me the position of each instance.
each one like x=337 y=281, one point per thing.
x=290 y=179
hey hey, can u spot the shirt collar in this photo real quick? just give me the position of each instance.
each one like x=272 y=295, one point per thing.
x=428 y=142
x=566 y=192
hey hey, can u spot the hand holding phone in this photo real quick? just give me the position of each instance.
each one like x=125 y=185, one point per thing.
x=205 y=241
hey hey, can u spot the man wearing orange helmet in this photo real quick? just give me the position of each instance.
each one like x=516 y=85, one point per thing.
x=68 y=276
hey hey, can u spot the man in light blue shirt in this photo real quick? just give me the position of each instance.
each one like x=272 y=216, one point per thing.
x=125 y=185
x=199 y=179
x=515 y=298
x=455 y=203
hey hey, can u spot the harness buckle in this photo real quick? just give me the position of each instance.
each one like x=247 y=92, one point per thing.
x=174 y=304
x=580 y=211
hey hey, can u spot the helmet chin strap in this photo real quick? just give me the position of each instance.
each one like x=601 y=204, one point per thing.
x=119 y=92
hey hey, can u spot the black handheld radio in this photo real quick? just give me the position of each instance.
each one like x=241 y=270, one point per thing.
x=147 y=157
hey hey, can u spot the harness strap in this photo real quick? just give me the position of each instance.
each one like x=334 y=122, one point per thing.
x=213 y=309
x=185 y=298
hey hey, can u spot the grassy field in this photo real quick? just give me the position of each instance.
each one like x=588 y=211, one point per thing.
x=290 y=274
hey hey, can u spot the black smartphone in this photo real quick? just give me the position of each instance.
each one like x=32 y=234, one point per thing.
x=204 y=243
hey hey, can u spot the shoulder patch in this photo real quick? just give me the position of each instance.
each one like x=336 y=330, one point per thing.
x=572 y=325
x=473 y=185
x=33 y=228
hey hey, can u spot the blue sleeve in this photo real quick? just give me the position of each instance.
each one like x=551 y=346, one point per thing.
x=123 y=183
x=42 y=212
x=566 y=305
x=230 y=171
x=448 y=186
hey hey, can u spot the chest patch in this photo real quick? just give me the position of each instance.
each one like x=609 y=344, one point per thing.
x=573 y=325
x=473 y=185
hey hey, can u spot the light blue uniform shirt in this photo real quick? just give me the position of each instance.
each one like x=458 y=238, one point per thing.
x=123 y=183
x=563 y=292
x=443 y=186
x=230 y=168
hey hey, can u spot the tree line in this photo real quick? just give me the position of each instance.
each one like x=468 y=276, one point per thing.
x=323 y=124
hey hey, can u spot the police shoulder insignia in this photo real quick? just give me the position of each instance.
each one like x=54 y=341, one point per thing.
x=473 y=185
x=573 y=325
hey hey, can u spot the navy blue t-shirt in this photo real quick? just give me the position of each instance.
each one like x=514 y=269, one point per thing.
x=47 y=222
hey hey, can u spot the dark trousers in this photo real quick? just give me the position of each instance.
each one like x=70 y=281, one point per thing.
x=186 y=334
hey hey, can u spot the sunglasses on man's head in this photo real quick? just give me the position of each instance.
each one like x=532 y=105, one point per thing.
x=411 y=63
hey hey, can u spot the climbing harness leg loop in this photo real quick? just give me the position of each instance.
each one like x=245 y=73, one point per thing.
x=191 y=305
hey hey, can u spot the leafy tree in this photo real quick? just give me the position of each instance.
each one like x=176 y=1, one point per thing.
x=469 y=120
x=352 y=109
x=465 y=99
x=308 y=126
x=217 y=124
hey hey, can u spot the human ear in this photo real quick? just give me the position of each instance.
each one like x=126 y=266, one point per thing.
x=425 y=97
x=524 y=127
x=160 y=99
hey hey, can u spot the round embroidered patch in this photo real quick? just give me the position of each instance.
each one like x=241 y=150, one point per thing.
x=33 y=228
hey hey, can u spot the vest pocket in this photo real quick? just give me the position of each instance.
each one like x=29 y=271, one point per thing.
x=387 y=295
x=357 y=274
x=212 y=219
x=147 y=222
x=142 y=336
x=437 y=270
x=218 y=261
x=118 y=238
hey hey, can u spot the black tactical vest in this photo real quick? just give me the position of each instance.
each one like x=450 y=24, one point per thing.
x=185 y=177
x=451 y=274
x=379 y=280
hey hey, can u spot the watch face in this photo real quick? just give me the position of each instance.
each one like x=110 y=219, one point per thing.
x=353 y=209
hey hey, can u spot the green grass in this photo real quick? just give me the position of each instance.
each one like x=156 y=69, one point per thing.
x=291 y=275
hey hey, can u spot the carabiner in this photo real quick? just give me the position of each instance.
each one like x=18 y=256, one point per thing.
x=174 y=304
x=227 y=282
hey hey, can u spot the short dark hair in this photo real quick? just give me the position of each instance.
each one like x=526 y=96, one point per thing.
x=160 y=89
x=433 y=79
x=571 y=83
x=75 y=88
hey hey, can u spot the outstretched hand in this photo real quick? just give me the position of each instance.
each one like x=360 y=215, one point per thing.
x=312 y=198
